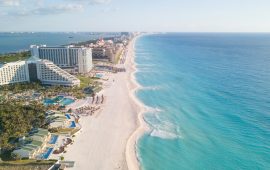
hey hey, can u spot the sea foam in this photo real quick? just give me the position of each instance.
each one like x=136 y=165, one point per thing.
x=163 y=134
x=153 y=109
x=152 y=88
x=161 y=127
x=212 y=110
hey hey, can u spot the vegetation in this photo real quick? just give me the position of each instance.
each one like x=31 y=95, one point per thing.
x=28 y=161
x=27 y=164
x=16 y=119
x=55 y=90
x=85 y=81
x=50 y=91
x=14 y=56
x=18 y=115
x=88 y=81
x=21 y=87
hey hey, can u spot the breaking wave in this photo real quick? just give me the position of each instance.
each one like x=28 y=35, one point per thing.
x=163 y=134
x=161 y=127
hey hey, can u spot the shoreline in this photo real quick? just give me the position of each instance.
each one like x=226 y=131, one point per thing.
x=132 y=159
x=108 y=140
x=104 y=140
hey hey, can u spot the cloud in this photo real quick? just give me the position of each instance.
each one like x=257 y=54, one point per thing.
x=110 y=9
x=40 y=7
x=59 y=9
x=10 y=2
x=49 y=10
x=100 y=1
x=93 y=2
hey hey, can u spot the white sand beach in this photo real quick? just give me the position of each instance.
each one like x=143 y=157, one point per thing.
x=107 y=140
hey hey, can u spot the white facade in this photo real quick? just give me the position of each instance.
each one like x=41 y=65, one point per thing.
x=49 y=73
x=43 y=70
x=65 y=57
x=85 y=61
x=14 y=72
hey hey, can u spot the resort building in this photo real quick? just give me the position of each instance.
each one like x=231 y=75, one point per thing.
x=59 y=120
x=68 y=57
x=34 y=145
x=34 y=70
x=99 y=53
x=14 y=72
x=50 y=74
x=103 y=53
x=110 y=53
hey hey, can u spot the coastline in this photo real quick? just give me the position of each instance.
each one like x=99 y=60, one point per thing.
x=106 y=139
x=131 y=152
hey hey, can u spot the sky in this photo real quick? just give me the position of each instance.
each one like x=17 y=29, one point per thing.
x=135 y=15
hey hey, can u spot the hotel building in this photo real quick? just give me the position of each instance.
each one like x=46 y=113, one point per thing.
x=35 y=70
x=103 y=53
x=39 y=141
x=69 y=57
x=14 y=72
x=99 y=53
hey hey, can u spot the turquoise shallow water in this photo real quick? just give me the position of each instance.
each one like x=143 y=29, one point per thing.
x=209 y=101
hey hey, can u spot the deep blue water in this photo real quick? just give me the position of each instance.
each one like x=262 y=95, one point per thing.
x=209 y=101
x=13 y=42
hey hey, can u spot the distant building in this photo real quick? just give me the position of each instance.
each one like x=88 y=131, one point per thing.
x=100 y=42
x=110 y=53
x=104 y=53
x=99 y=53
x=85 y=61
x=34 y=70
x=119 y=46
x=79 y=58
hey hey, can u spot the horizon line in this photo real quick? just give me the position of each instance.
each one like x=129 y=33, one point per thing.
x=131 y=31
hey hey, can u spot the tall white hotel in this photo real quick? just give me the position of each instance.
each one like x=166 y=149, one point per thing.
x=69 y=57
x=34 y=70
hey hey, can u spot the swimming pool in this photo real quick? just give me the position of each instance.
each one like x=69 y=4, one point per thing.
x=73 y=125
x=59 y=99
x=67 y=101
x=98 y=75
x=68 y=116
x=47 y=102
x=47 y=153
x=53 y=139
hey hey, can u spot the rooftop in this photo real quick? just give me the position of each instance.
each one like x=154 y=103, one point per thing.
x=12 y=63
x=33 y=59
x=36 y=143
x=26 y=149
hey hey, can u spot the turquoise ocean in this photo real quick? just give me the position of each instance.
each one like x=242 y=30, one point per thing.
x=208 y=96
